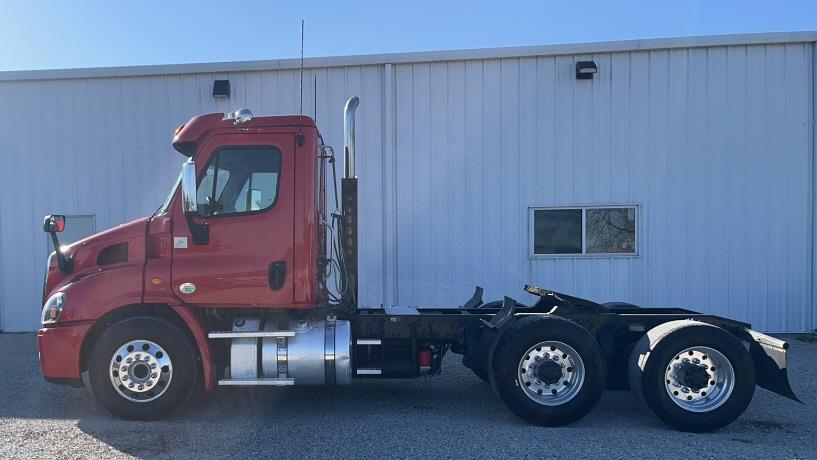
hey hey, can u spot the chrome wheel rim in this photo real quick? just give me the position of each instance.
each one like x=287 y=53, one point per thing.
x=699 y=379
x=551 y=373
x=140 y=371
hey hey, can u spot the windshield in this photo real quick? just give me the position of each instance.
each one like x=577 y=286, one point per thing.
x=166 y=203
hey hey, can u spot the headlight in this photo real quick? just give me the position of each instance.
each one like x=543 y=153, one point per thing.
x=53 y=309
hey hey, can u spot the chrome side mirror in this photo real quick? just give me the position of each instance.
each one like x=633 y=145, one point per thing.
x=189 y=188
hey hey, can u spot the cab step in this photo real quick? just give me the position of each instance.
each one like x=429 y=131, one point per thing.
x=247 y=382
x=253 y=334
x=369 y=371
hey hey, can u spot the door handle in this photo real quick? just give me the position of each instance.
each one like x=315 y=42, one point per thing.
x=277 y=274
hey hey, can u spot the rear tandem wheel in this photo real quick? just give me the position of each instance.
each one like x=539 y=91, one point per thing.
x=694 y=376
x=548 y=371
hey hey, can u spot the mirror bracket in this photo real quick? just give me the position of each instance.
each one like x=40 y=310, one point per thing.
x=52 y=224
x=200 y=232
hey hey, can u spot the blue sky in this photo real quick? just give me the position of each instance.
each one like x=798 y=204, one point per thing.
x=63 y=34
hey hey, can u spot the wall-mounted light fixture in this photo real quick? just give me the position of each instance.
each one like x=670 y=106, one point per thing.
x=221 y=88
x=585 y=70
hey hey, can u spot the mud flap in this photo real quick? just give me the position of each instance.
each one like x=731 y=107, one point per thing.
x=769 y=356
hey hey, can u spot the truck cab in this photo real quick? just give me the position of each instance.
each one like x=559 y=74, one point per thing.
x=251 y=241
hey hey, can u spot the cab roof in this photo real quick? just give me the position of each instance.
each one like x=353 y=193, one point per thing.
x=188 y=136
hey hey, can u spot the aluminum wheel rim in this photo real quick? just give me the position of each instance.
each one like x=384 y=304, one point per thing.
x=141 y=371
x=703 y=361
x=549 y=359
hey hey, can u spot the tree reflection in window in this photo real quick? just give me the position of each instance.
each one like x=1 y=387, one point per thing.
x=610 y=230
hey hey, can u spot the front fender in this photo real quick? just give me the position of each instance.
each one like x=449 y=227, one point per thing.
x=90 y=297
x=199 y=332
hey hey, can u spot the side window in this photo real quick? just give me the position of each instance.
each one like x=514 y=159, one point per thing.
x=262 y=187
x=240 y=180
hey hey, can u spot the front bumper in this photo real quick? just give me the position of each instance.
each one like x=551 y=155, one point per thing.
x=59 y=350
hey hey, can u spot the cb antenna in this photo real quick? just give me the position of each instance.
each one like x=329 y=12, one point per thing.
x=315 y=96
x=301 y=85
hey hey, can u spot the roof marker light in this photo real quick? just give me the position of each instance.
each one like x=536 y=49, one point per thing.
x=241 y=116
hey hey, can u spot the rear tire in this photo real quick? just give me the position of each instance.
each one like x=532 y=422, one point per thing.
x=566 y=368
x=142 y=368
x=694 y=376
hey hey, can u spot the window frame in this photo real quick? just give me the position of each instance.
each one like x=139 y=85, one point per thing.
x=214 y=156
x=584 y=254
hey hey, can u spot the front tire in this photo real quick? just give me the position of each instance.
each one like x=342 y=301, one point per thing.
x=548 y=371
x=694 y=376
x=142 y=368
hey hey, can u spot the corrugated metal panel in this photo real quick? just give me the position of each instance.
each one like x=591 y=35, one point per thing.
x=813 y=112
x=714 y=144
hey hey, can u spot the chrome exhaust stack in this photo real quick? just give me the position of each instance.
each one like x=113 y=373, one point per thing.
x=347 y=231
x=349 y=137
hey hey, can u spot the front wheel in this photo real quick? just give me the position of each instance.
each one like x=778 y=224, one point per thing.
x=548 y=371
x=142 y=368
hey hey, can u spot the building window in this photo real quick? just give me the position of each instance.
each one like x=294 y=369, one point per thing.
x=584 y=231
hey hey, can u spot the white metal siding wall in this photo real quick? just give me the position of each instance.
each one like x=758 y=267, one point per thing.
x=712 y=143
x=715 y=145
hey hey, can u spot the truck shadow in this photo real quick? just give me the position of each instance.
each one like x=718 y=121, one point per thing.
x=315 y=421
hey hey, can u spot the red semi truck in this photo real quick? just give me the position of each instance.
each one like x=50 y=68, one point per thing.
x=228 y=283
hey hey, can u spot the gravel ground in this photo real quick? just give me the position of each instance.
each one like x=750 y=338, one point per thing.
x=452 y=415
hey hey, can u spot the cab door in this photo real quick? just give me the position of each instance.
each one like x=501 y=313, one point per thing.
x=245 y=198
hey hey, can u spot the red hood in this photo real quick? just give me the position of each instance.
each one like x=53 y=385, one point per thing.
x=123 y=241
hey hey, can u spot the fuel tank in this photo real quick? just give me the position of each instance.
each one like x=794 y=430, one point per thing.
x=304 y=352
